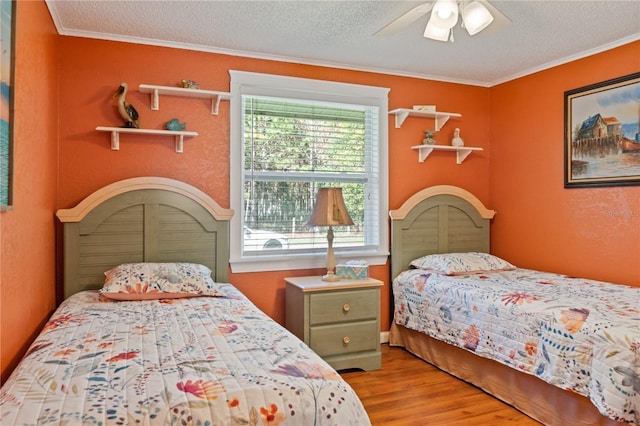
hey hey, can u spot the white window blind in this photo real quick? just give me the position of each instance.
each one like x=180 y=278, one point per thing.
x=291 y=143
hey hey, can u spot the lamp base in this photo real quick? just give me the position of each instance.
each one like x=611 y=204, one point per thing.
x=330 y=277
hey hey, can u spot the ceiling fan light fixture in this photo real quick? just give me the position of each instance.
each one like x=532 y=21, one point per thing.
x=436 y=32
x=446 y=13
x=476 y=17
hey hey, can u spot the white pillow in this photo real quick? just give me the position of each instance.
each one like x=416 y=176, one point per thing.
x=144 y=281
x=462 y=263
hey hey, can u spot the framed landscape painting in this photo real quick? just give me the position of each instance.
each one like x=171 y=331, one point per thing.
x=7 y=39
x=602 y=133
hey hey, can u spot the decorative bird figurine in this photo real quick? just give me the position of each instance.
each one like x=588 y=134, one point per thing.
x=126 y=110
x=457 y=140
x=189 y=84
x=174 y=124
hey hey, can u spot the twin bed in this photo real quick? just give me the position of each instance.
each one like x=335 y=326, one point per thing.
x=166 y=340
x=565 y=351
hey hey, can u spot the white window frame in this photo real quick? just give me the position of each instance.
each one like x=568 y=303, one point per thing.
x=248 y=83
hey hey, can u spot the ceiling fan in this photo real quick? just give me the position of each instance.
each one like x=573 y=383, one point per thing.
x=477 y=15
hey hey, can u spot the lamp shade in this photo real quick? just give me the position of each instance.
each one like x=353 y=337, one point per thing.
x=329 y=209
x=476 y=17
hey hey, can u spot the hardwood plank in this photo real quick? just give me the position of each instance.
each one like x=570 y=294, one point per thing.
x=408 y=391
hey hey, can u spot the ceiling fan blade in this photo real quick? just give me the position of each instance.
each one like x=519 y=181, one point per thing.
x=500 y=21
x=405 y=20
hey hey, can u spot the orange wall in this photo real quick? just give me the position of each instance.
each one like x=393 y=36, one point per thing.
x=589 y=232
x=27 y=234
x=92 y=69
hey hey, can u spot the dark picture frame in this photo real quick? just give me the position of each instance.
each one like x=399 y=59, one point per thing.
x=602 y=133
x=7 y=77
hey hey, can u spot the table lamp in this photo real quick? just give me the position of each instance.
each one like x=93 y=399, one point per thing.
x=330 y=211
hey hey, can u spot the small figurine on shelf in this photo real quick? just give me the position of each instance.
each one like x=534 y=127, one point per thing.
x=457 y=140
x=189 y=84
x=428 y=139
x=175 y=125
x=126 y=110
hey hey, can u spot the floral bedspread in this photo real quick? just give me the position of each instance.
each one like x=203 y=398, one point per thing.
x=577 y=334
x=199 y=361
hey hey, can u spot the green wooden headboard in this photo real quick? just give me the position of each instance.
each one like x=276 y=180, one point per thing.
x=146 y=219
x=438 y=219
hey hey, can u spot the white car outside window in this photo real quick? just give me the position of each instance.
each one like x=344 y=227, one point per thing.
x=257 y=239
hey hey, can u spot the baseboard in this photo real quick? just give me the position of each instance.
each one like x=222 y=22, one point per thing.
x=384 y=337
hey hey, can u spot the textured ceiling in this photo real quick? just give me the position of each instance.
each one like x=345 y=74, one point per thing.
x=342 y=33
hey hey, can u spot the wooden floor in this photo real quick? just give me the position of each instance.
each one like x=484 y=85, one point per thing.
x=409 y=391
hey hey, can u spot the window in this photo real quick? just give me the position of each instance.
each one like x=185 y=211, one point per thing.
x=289 y=137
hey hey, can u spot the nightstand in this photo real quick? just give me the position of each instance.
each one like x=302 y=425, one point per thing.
x=339 y=320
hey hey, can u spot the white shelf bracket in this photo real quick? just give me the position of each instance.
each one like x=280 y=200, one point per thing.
x=423 y=153
x=115 y=140
x=179 y=143
x=441 y=120
x=400 y=117
x=155 y=100
x=215 y=104
x=461 y=155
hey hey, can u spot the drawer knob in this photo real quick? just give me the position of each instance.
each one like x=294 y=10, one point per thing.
x=346 y=340
x=346 y=307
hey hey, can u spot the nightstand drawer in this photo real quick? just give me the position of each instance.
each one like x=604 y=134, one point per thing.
x=344 y=338
x=341 y=306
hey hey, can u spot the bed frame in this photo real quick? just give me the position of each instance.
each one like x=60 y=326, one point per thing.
x=145 y=219
x=446 y=219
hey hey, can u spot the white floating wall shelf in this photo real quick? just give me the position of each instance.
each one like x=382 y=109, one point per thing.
x=440 y=117
x=156 y=91
x=462 y=152
x=115 y=135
